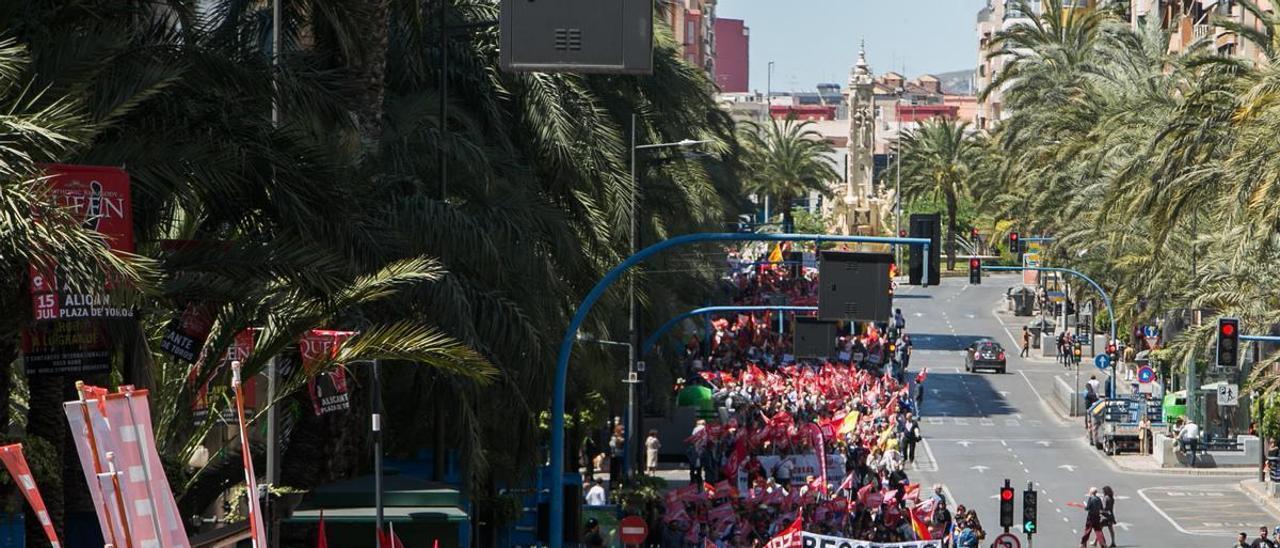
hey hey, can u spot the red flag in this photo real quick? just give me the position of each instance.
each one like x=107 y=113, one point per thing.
x=791 y=537
x=322 y=539
x=738 y=455
x=16 y=464
x=388 y=539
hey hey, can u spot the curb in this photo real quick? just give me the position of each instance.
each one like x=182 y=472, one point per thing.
x=1254 y=489
x=1212 y=472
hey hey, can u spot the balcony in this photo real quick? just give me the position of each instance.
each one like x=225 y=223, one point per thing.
x=1201 y=32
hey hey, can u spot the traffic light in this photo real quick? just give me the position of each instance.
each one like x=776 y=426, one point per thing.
x=1113 y=353
x=1228 y=342
x=1077 y=351
x=1015 y=245
x=975 y=271
x=1006 y=505
x=1029 y=510
x=973 y=233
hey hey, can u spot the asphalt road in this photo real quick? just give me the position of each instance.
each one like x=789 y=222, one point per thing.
x=982 y=428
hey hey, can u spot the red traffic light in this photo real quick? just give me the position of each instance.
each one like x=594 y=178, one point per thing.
x=973 y=264
x=1111 y=349
x=974 y=233
x=1228 y=329
x=1006 y=493
x=902 y=234
x=1013 y=236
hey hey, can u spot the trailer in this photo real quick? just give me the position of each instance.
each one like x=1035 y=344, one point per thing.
x=1115 y=424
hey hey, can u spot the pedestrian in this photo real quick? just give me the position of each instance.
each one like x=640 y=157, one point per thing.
x=1242 y=540
x=1026 y=341
x=592 y=536
x=1092 y=519
x=899 y=321
x=617 y=453
x=651 y=448
x=695 y=452
x=910 y=437
x=596 y=495
x=1062 y=348
x=1262 y=541
x=1091 y=391
x=1109 y=512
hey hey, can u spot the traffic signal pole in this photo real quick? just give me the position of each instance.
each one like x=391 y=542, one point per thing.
x=1106 y=299
x=556 y=525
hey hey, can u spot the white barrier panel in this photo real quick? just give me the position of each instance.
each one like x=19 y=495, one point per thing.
x=813 y=540
x=803 y=466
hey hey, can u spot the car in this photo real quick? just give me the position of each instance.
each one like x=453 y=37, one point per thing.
x=985 y=354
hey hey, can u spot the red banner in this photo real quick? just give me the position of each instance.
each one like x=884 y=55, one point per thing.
x=99 y=196
x=239 y=350
x=66 y=348
x=16 y=464
x=329 y=389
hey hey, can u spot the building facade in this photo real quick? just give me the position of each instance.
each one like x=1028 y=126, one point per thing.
x=732 y=55
x=693 y=24
x=1191 y=21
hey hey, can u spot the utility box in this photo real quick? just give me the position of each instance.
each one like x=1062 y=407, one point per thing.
x=580 y=36
x=854 y=286
x=814 y=338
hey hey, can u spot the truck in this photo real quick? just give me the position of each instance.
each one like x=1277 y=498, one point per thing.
x=1114 y=423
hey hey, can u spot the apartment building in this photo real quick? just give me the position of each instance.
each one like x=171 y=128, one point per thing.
x=1192 y=21
x=693 y=23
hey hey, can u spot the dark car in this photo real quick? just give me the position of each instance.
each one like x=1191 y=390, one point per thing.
x=984 y=354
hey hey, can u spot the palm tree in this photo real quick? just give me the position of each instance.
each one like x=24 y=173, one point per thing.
x=786 y=160
x=939 y=159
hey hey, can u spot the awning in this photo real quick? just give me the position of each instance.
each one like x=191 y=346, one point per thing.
x=405 y=499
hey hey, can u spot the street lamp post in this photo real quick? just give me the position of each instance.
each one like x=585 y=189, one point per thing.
x=897 y=193
x=632 y=318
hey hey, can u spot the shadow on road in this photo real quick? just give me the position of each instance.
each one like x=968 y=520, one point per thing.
x=937 y=341
x=963 y=395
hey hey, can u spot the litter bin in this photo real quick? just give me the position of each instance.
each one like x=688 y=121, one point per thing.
x=1038 y=328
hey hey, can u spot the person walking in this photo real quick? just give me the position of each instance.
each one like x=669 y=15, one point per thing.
x=910 y=437
x=617 y=452
x=1242 y=540
x=899 y=321
x=596 y=495
x=1092 y=519
x=1262 y=541
x=651 y=448
x=1026 y=341
x=1109 y=513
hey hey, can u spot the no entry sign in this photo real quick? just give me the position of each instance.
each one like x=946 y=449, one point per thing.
x=632 y=530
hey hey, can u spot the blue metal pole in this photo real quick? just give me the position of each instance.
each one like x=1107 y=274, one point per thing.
x=556 y=527
x=1261 y=338
x=1105 y=299
x=708 y=310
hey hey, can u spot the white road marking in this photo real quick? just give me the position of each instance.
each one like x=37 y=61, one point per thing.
x=1045 y=443
x=1171 y=521
x=1067 y=467
x=980 y=468
x=1048 y=411
x=965 y=443
x=933 y=461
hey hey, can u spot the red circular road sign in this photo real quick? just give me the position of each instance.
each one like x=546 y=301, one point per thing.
x=633 y=530
x=1007 y=540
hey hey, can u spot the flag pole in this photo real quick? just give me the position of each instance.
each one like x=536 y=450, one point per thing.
x=93 y=451
x=123 y=508
x=250 y=481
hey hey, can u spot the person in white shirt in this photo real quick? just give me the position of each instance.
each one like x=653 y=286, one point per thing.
x=651 y=448
x=596 y=495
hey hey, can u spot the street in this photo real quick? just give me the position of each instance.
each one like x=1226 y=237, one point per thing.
x=982 y=428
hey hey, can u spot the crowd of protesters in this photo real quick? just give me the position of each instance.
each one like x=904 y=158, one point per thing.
x=826 y=442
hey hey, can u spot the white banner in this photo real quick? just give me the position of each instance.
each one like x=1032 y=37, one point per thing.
x=802 y=466
x=814 y=540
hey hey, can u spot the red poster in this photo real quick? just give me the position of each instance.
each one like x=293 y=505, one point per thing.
x=329 y=390
x=99 y=196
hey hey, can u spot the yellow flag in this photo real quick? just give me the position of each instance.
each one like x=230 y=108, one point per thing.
x=775 y=256
x=850 y=423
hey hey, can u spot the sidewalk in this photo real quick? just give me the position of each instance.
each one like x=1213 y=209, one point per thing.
x=1257 y=491
x=1148 y=464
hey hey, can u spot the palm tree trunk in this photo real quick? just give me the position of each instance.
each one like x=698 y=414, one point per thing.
x=370 y=70
x=951 y=231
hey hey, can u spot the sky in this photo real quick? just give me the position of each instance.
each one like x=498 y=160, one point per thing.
x=813 y=41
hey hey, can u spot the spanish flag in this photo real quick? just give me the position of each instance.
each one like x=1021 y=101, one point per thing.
x=775 y=256
x=850 y=423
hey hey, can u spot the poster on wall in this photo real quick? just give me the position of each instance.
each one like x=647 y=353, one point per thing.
x=329 y=390
x=65 y=348
x=99 y=197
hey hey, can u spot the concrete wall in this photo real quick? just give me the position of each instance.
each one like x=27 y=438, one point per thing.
x=1167 y=456
x=1063 y=393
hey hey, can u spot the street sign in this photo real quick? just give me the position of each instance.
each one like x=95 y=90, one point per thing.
x=1007 y=540
x=1146 y=374
x=632 y=530
x=1101 y=361
x=1228 y=394
x=1150 y=331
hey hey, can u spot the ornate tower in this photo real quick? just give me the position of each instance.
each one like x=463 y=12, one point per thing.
x=854 y=212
